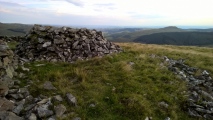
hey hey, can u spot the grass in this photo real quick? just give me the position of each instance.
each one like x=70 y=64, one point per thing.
x=120 y=90
x=12 y=45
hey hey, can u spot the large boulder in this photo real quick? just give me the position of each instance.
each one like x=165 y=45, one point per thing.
x=64 y=44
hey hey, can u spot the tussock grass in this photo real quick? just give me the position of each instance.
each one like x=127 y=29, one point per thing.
x=12 y=45
x=118 y=89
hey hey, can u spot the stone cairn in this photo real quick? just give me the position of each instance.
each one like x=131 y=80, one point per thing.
x=8 y=64
x=64 y=44
x=16 y=102
x=200 y=88
x=7 y=61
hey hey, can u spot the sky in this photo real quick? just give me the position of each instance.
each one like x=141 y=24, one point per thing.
x=108 y=12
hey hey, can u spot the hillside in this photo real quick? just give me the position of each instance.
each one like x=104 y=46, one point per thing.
x=73 y=74
x=14 y=29
x=135 y=84
x=130 y=36
x=178 y=38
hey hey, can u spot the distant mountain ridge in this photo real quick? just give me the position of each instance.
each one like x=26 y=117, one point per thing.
x=167 y=35
x=178 y=38
x=130 y=36
x=14 y=29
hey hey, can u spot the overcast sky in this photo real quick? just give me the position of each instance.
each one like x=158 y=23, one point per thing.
x=108 y=12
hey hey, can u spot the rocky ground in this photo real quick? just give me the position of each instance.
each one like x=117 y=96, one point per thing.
x=16 y=102
x=200 y=86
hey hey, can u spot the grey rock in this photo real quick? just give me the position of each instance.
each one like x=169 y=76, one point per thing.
x=40 y=40
x=205 y=73
x=58 y=98
x=18 y=109
x=44 y=101
x=58 y=40
x=44 y=112
x=1 y=64
x=17 y=82
x=48 y=86
x=148 y=118
x=203 y=110
x=9 y=81
x=23 y=90
x=206 y=95
x=29 y=107
x=208 y=117
x=12 y=91
x=52 y=118
x=32 y=117
x=43 y=96
x=75 y=44
x=6 y=115
x=60 y=110
x=195 y=105
x=193 y=113
x=163 y=104
x=46 y=44
x=16 y=96
x=3 y=89
x=92 y=105
x=71 y=99
x=131 y=63
x=167 y=118
x=3 y=47
x=6 y=61
x=38 y=65
x=29 y=99
x=10 y=71
x=208 y=103
x=6 y=105
x=25 y=69
x=76 y=118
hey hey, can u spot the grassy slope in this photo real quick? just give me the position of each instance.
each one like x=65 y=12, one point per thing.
x=119 y=90
x=14 y=29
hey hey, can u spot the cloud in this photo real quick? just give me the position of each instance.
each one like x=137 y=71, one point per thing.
x=10 y=4
x=106 y=4
x=146 y=16
x=109 y=6
x=76 y=2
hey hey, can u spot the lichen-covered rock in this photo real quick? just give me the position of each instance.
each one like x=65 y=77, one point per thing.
x=60 y=110
x=71 y=99
x=6 y=104
x=64 y=44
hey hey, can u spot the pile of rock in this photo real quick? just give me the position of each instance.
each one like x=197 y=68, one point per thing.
x=64 y=44
x=7 y=61
x=8 y=64
x=19 y=104
x=11 y=38
x=200 y=88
